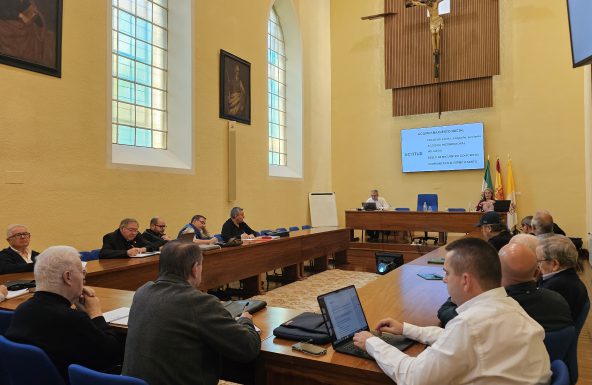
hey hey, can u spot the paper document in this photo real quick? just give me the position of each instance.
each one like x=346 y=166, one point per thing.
x=16 y=293
x=84 y=264
x=142 y=255
x=117 y=316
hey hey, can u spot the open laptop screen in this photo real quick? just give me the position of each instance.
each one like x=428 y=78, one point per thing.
x=344 y=313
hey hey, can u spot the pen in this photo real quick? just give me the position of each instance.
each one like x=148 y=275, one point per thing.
x=246 y=306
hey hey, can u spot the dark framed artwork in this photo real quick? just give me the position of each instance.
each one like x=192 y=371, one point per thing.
x=31 y=35
x=235 y=88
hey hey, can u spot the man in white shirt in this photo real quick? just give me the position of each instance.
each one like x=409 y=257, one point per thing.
x=381 y=204
x=491 y=341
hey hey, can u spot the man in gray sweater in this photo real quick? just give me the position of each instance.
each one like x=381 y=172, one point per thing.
x=179 y=335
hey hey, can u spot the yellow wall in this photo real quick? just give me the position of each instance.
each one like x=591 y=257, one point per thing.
x=55 y=132
x=537 y=116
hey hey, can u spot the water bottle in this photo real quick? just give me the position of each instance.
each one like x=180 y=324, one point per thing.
x=430 y=208
x=425 y=206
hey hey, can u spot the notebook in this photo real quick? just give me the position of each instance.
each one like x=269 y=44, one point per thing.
x=502 y=206
x=344 y=317
x=143 y=255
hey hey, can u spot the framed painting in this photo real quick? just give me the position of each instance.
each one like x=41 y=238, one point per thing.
x=31 y=35
x=235 y=88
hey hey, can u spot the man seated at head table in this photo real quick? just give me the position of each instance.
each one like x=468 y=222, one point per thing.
x=197 y=226
x=494 y=231
x=557 y=257
x=519 y=264
x=125 y=242
x=180 y=335
x=47 y=320
x=17 y=257
x=491 y=341
x=235 y=226
x=156 y=234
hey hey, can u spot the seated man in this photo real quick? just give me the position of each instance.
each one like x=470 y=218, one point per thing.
x=557 y=257
x=526 y=226
x=493 y=230
x=17 y=258
x=156 y=233
x=197 y=226
x=519 y=264
x=47 y=320
x=125 y=242
x=381 y=204
x=491 y=341
x=180 y=335
x=235 y=226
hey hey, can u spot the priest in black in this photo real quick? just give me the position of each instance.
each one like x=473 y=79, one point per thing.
x=235 y=226
x=125 y=242
x=156 y=234
x=47 y=320
x=17 y=257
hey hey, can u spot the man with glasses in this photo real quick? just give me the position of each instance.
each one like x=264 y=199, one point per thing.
x=125 y=242
x=68 y=335
x=18 y=257
x=156 y=233
x=197 y=226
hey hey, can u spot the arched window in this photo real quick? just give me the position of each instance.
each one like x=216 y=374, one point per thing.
x=276 y=92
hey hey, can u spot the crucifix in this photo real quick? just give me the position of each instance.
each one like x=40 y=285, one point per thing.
x=436 y=25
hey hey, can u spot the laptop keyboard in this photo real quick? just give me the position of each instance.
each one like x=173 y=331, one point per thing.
x=399 y=342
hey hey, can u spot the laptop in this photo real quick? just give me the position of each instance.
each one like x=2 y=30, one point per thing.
x=502 y=206
x=369 y=206
x=344 y=317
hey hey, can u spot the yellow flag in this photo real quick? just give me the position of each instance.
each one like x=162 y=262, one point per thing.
x=511 y=196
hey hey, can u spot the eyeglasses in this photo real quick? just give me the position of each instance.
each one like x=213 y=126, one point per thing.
x=84 y=273
x=543 y=260
x=131 y=230
x=202 y=222
x=20 y=235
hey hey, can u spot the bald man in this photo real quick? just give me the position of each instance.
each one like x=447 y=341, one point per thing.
x=519 y=264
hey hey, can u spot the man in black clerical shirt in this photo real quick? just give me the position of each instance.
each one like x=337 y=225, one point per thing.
x=493 y=230
x=156 y=233
x=235 y=226
x=519 y=264
x=125 y=242
x=47 y=320
x=17 y=257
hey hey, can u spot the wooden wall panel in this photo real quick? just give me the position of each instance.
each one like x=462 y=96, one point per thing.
x=458 y=95
x=469 y=57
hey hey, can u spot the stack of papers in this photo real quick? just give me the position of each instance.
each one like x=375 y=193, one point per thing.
x=16 y=293
x=142 y=255
x=117 y=316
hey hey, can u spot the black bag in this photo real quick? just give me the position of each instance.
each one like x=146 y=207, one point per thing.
x=232 y=242
x=20 y=284
x=304 y=327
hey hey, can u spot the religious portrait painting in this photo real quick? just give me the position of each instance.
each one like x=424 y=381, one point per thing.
x=30 y=35
x=235 y=88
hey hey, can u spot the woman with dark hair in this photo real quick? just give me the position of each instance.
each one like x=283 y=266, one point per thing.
x=486 y=202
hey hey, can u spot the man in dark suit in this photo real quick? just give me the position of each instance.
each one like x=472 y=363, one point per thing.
x=235 y=226
x=156 y=233
x=519 y=263
x=180 y=335
x=47 y=320
x=17 y=258
x=125 y=242
x=557 y=257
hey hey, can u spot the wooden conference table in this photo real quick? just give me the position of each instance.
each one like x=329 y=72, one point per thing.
x=225 y=265
x=441 y=221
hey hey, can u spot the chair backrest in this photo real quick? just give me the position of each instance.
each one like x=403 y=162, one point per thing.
x=265 y=232
x=581 y=318
x=294 y=228
x=456 y=210
x=306 y=227
x=27 y=364
x=79 y=375
x=402 y=209
x=560 y=373
x=89 y=255
x=431 y=201
x=281 y=229
x=5 y=317
x=562 y=345
x=219 y=237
